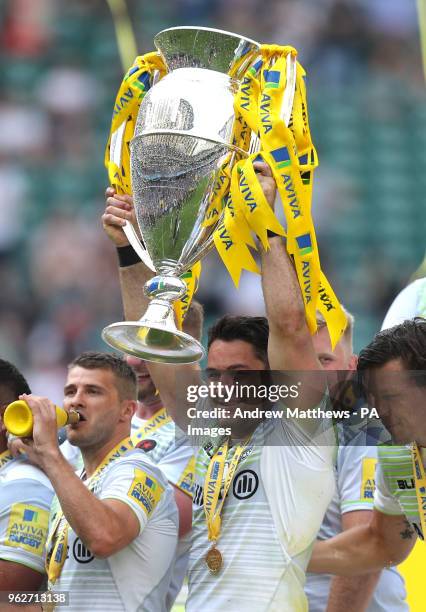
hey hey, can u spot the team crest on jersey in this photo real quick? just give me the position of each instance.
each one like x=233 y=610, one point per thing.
x=146 y=491
x=27 y=528
x=146 y=445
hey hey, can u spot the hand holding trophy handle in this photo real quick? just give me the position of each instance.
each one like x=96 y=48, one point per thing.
x=128 y=228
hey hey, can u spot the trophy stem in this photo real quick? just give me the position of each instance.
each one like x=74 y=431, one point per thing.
x=155 y=336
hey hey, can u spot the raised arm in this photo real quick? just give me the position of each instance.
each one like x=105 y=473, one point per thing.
x=290 y=346
x=166 y=377
x=290 y=342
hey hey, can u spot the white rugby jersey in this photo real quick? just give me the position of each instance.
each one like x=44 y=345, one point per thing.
x=409 y=303
x=395 y=486
x=72 y=454
x=25 y=499
x=168 y=449
x=355 y=483
x=138 y=576
x=274 y=508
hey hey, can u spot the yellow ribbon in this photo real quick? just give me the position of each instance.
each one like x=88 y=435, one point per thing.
x=421 y=9
x=159 y=419
x=292 y=157
x=420 y=482
x=5 y=458
x=213 y=486
x=237 y=195
x=59 y=532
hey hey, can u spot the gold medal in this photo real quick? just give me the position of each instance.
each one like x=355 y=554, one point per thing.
x=49 y=605
x=214 y=560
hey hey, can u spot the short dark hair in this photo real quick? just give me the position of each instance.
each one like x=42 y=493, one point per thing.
x=12 y=379
x=125 y=375
x=254 y=330
x=406 y=342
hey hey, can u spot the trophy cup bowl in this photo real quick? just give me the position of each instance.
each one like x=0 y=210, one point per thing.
x=183 y=135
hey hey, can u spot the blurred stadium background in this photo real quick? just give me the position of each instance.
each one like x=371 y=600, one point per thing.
x=60 y=70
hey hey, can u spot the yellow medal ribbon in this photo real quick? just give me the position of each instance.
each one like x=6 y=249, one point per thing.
x=59 y=534
x=5 y=458
x=213 y=486
x=159 y=419
x=420 y=482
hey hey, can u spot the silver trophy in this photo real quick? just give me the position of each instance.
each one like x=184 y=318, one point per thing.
x=183 y=136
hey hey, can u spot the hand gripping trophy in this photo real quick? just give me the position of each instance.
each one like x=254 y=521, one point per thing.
x=183 y=137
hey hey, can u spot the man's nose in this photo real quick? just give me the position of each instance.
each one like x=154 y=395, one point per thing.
x=227 y=378
x=134 y=362
x=77 y=399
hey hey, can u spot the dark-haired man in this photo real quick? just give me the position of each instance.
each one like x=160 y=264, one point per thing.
x=393 y=367
x=112 y=540
x=353 y=502
x=271 y=481
x=25 y=499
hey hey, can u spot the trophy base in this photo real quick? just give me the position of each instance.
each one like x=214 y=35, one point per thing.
x=153 y=343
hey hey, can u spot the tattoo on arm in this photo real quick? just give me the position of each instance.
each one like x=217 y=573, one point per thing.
x=408 y=532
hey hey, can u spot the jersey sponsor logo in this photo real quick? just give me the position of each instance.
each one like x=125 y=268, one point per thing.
x=186 y=482
x=80 y=553
x=146 y=445
x=27 y=528
x=405 y=484
x=368 y=478
x=245 y=484
x=146 y=491
x=198 y=497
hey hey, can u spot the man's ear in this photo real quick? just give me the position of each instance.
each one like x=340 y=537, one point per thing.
x=128 y=409
x=353 y=361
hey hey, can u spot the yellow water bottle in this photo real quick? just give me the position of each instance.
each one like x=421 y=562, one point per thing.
x=18 y=418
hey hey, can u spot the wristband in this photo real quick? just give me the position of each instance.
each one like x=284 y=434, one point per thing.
x=127 y=256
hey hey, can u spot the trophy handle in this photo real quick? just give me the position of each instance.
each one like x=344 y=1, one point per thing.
x=138 y=247
x=115 y=154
